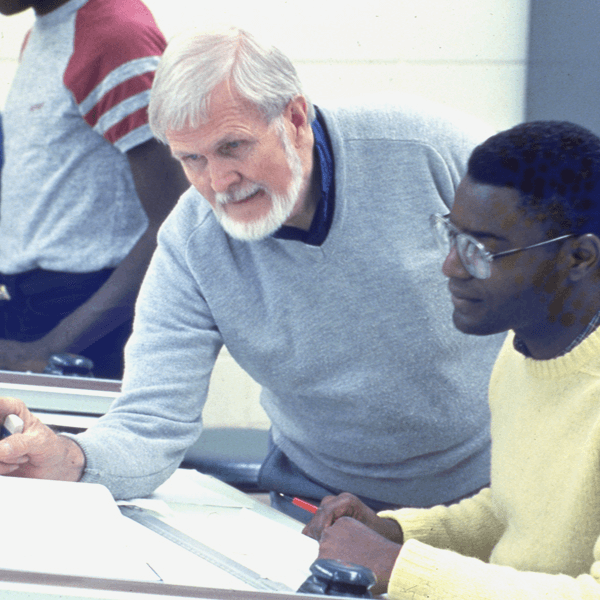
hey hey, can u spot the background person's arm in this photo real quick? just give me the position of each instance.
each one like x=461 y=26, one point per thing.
x=159 y=182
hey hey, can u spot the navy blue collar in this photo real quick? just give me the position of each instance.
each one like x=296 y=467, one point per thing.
x=520 y=346
x=323 y=217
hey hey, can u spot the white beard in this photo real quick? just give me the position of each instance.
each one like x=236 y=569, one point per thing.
x=282 y=205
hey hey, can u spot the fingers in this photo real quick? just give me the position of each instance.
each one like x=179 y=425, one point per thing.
x=23 y=356
x=333 y=508
x=38 y=452
x=13 y=453
x=11 y=464
x=11 y=406
x=16 y=449
x=322 y=518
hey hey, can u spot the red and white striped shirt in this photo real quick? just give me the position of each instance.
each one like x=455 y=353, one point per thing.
x=77 y=103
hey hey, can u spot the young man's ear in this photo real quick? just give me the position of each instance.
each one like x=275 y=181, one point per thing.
x=584 y=256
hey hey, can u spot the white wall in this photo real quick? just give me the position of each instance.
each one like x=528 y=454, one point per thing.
x=470 y=54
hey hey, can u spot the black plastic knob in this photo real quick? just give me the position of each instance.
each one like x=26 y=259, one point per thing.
x=336 y=578
x=65 y=363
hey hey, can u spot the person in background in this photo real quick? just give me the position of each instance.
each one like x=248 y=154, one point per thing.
x=85 y=185
x=522 y=246
x=304 y=247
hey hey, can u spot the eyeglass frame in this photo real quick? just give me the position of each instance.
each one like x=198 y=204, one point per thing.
x=488 y=256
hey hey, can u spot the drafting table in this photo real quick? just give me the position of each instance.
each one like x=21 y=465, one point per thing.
x=193 y=500
x=67 y=402
x=72 y=403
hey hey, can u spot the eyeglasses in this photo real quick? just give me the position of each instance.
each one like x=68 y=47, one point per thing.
x=473 y=255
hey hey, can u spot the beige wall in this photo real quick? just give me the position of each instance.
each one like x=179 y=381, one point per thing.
x=470 y=54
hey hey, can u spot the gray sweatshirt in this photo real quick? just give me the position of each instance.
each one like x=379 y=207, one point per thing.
x=368 y=386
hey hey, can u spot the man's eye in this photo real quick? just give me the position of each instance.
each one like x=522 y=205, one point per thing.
x=230 y=147
x=194 y=160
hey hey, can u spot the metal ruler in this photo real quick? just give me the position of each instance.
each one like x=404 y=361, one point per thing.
x=143 y=517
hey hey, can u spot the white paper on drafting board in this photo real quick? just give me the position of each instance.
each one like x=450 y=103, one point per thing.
x=65 y=528
x=224 y=521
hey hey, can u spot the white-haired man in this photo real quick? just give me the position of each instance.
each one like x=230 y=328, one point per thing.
x=304 y=247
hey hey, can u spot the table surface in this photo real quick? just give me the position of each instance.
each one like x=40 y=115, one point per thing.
x=81 y=399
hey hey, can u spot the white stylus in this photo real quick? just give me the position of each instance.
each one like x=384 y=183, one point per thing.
x=12 y=424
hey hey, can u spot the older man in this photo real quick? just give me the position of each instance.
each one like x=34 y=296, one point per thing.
x=303 y=246
x=522 y=251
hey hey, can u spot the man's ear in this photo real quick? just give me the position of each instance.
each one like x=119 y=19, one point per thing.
x=584 y=256
x=297 y=114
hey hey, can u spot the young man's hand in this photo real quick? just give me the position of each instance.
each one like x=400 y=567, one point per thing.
x=333 y=508
x=353 y=542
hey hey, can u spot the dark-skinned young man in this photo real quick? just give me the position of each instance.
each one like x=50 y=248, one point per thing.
x=522 y=254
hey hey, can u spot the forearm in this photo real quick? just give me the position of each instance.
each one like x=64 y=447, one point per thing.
x=170 y=357
x=159 y=182
x=109 y=307
x=129 y=464
x=423 y=572
x=469 y=527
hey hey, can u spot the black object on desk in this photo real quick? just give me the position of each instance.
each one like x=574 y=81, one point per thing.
x=336 y=578
x=233 y=455
x=65 y=363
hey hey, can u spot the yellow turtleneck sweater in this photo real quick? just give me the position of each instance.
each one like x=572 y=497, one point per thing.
x=535 y=533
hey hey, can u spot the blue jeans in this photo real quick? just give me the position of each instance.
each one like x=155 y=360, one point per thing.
x=40 y=299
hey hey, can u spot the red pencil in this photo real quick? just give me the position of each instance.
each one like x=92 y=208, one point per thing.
x=311 y=508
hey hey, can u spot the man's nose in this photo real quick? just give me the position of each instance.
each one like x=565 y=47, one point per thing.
x=222 y=177
x=453 y=266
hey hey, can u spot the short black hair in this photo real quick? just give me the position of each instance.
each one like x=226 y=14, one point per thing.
x=555 y=165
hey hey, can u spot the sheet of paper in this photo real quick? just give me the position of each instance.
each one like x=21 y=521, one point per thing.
x=222 y=518
x=176 y=565
x=77 y=529
x=188 y=486
x=66 y=528
x=270 y=549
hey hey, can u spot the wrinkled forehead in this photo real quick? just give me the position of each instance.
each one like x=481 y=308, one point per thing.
x=225 y=127
x=223 y=101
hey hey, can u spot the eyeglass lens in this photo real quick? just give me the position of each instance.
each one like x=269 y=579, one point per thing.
x=471 y=254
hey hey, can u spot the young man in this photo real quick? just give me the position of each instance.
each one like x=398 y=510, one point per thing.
x=84 y=184
x=523 y=254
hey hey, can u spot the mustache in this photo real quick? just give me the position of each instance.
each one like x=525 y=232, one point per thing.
x=237 y=195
